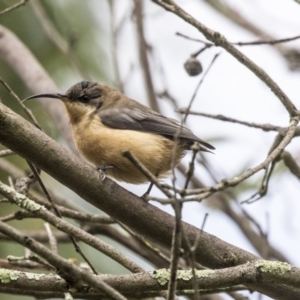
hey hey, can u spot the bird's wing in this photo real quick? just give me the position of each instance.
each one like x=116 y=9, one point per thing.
x=148 y=121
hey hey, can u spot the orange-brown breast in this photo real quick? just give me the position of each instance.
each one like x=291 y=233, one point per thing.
x=102 y=145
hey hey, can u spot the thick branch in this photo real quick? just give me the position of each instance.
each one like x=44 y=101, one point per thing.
x=256 y=271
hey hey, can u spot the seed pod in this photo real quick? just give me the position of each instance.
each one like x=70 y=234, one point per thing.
x=193 y=66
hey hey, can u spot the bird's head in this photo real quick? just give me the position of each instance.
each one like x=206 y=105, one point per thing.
x=83 y=98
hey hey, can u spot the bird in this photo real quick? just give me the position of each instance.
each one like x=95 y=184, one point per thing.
x=106 y=124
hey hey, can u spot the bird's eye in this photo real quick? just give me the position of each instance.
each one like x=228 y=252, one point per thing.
x=84 y=84
x=84 y=99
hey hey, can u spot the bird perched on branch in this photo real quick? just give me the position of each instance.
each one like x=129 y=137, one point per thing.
x=106 y=124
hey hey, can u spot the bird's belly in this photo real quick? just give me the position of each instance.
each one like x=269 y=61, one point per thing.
x=105 y=146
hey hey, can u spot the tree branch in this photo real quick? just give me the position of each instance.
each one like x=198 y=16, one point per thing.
x=251 y=272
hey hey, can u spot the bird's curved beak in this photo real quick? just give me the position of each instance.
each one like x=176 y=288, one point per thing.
x=54 y=95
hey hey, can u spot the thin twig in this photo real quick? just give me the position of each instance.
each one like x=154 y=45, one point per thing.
x=170 y=187
x=175 y=251
x=114 y=45
x=167 y=95
x=160 y=200
x=52 y=239
x=131 y=157
x=143 y=54
x=260 y=230
x=262 y=191
x=191 y=257
x=192 y=39
x=27 y=110
x=146 y=243
x=269 y=171
x=15 y=6
x=4 y=153
x=264 y=127
x=177 y=230
x=11 y=182
x=198 y=86
x=253 y=43
x=291 y=163
x=24 y=214
x=267 y=42
x=190 y=172
x=65 y=212
x=257 y=225
x=31 y=259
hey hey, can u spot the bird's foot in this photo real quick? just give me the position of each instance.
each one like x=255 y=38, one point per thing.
x=102 y=170
x=144 y=197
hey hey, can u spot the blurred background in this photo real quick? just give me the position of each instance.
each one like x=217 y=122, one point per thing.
x=116 y=41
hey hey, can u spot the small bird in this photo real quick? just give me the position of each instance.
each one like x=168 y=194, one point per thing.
x=106 y=124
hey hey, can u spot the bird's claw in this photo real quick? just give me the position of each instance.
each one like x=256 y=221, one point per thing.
x=102 y=171
x=144 y=197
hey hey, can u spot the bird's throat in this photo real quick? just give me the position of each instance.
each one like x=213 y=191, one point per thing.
x=77 y=111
